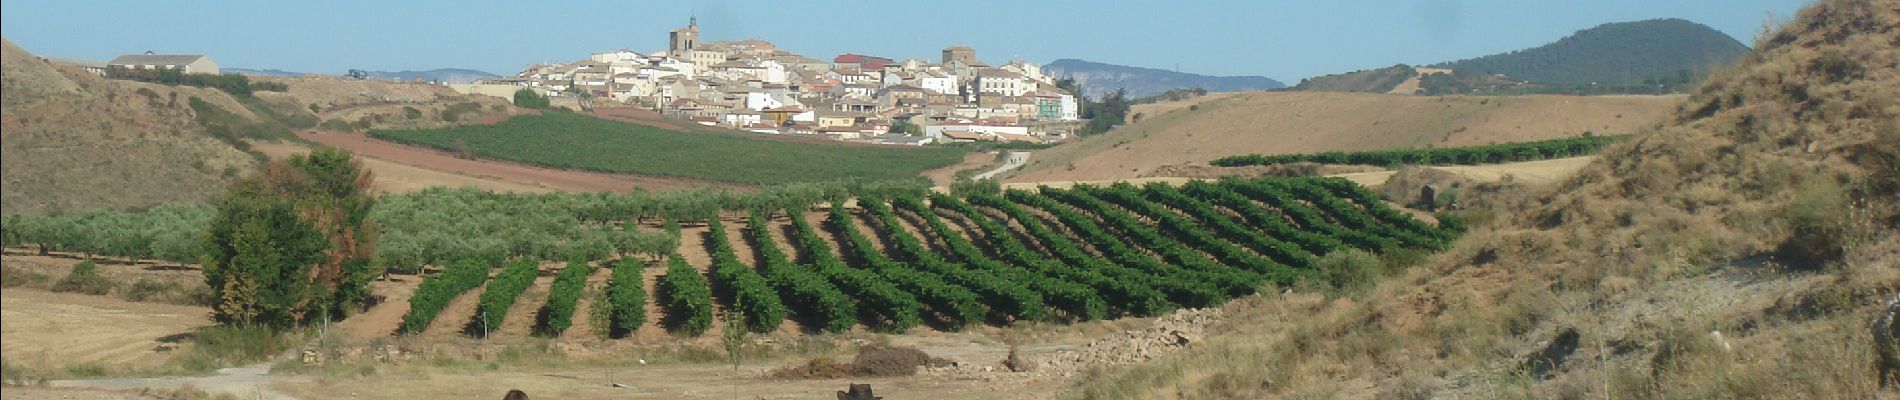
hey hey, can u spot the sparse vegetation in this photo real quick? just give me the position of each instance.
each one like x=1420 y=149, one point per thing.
x=84 y=278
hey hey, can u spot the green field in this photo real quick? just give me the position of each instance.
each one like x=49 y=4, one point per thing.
x=574 y=141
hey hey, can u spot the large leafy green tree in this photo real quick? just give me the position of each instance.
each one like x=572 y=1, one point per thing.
x=292 y=243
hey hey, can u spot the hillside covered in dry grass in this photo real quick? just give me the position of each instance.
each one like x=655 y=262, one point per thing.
x=1222 y=125
x=76 y=141
x=1740 y=250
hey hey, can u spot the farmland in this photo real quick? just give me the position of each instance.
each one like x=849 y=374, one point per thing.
x=891 y=263
x=1473 y=155
x=574 y=141
x=1086 y=254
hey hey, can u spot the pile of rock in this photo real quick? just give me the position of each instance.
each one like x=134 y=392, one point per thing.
x=1175 y=331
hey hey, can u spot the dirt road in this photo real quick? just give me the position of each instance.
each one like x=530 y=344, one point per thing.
x=251 y=382
x=1016 y=160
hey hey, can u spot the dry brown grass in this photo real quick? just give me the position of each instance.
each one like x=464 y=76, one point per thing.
x=1738 y=252
x=1303 y=122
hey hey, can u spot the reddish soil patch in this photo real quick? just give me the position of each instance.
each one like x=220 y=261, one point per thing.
x=558 y=179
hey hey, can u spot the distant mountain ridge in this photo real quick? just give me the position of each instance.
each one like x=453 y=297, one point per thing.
x=1621 y=52
x=1097 y=79
x=450 y=75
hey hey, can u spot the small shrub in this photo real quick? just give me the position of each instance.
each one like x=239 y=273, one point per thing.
x=1819 y=225
x=19 y=277
x=220 y=346
x=84 y=279
x=86 y=370
x=1349 y=272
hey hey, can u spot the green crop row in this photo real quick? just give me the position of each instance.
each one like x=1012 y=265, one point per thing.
x=436 y=292
x=686 y=297
x=1006 y=298
x=1077 y=300
x=745 y=291
x=1488 y=154
x=893 y=309
x=501 y=293
x=953 y=304
x=817 y=299
x=558 y=313
x=626 y=298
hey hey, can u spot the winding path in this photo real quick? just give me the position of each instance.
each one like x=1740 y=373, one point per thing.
x=1016 y=160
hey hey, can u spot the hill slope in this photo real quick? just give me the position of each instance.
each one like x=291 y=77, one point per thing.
x=1097 y=79
x=1299 y=122
x=1738 y=251
x=450 y=75
x=1368 y=81
x=76 y=141
x=1623 y=52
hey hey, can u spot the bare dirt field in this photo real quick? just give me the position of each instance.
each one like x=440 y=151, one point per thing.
x=392 y=177
x=50 y=329
x=429 y=165
x=1301 y=122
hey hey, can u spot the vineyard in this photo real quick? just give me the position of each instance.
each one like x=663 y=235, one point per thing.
x=905 y=259
x=574 y=141
x=1474 y=155
x=900 y=259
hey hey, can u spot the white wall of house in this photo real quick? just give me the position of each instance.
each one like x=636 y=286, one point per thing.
x=740 y=120
x=945 y=85
x=936 y=131
x=758 y=101
x=771 y=72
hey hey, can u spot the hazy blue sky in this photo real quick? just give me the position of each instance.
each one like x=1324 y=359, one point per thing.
x=1284 y=40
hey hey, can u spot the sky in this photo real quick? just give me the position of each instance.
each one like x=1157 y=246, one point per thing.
x=1284 y=40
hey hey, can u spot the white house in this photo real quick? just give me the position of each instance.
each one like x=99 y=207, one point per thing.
x=771 y=72
x=939 y=130
x=937 y=82
x=1028 y=70
x=187 y=63
x=759 y=101
x=740 y=119
x=616 y=56
x=1003 y=82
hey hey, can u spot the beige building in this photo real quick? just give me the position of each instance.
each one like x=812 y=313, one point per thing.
x=187 y=63
x=959 y=53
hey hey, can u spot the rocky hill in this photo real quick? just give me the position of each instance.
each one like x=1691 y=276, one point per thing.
x=1097 y=79
x=1742 y=249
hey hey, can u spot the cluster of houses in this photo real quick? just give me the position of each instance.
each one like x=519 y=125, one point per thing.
x=752 y=85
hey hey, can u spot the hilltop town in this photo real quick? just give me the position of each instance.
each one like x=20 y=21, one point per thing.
x=753 y=85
